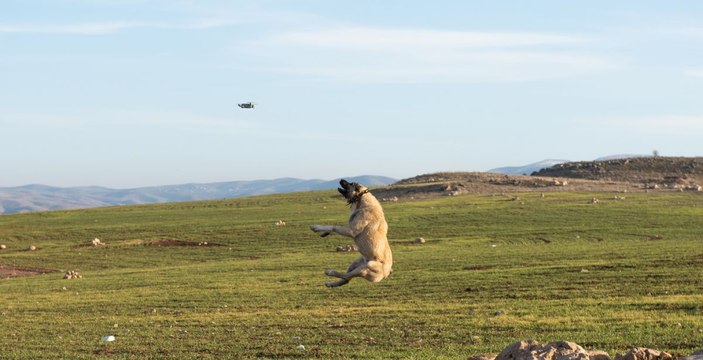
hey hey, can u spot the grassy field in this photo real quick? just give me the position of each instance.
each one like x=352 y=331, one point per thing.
x=493 y=271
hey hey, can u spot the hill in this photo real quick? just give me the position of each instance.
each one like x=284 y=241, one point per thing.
x=41 y=197
x=636 y=174
x=460 y=183
x=665 y=172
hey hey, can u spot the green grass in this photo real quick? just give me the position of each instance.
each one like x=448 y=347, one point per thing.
x=261 y=294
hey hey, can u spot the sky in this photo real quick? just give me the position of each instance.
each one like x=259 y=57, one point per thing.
x=132 y=93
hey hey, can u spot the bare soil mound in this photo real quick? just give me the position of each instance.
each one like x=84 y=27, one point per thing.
x=10 y=271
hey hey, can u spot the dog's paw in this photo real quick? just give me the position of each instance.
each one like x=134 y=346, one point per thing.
x=330 y=272
x=320 y=230
x=336 y=283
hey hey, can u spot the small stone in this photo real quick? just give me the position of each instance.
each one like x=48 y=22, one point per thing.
x=419 y=240
x=644 y=354
x=598 y=355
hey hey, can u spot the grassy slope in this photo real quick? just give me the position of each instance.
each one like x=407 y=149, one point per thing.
x=262 y=293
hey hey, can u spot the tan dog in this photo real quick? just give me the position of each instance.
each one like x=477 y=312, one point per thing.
x=368 y=227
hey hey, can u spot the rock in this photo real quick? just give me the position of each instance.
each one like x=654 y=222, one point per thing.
x=419 y=240
x=566 y=350
x=3 y=247
x=560 y=350
x=280 y=223
x=96 y=242
x=108 y=338
x=520 y=350
x=346 y=248
x=598 y=355
x=32 y=248
x=638 y=353
x=72 y=274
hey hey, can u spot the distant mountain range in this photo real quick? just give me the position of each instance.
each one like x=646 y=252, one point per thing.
x=527 y=169
x=41 y=197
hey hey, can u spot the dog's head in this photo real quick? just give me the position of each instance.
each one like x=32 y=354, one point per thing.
x=352 y=191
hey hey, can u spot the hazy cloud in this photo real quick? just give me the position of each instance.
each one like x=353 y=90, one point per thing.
x=420 y=55
x=362 y=38
x=694 y=72
x=110 y=27
x=676 y=125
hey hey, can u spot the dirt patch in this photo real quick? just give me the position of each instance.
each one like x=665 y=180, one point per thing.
x=174 y=242
x=10 y=271
x=478 y=267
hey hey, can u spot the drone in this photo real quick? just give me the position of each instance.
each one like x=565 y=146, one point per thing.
x=248 y=105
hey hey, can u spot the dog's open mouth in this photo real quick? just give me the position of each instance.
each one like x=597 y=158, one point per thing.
x=345 y=189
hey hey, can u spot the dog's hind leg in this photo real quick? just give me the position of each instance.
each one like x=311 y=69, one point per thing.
x=352 y=271
x=357 y=268
x=339 y=282
x=375 y=271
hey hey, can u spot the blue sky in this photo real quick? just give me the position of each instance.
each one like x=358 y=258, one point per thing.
x=134 y=93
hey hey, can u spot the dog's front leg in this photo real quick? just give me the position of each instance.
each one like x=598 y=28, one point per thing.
x=325 y=230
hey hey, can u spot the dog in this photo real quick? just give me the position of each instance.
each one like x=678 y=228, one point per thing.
x=368 y=227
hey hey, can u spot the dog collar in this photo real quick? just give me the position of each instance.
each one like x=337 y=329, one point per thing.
x=356 y=199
